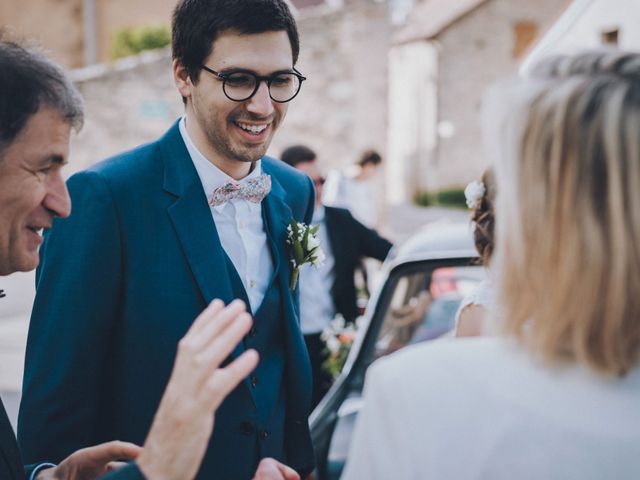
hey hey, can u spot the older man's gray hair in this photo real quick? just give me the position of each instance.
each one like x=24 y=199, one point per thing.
x=28 y=82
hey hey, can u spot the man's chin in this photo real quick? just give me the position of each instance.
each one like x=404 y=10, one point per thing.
x=249 y=155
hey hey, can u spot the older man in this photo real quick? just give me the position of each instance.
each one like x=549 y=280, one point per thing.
x=38 y=108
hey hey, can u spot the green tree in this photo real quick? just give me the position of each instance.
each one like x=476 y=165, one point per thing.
x=132 y=40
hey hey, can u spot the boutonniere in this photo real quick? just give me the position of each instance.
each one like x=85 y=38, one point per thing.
x=305 y=248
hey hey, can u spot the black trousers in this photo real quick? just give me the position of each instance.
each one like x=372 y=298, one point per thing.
x=321 y=380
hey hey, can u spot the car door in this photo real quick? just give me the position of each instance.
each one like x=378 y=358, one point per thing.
x=417 y=303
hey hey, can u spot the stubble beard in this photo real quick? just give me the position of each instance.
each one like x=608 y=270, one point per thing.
x=223 y=145
x=236 y=153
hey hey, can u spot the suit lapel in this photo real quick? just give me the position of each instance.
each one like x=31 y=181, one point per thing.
x=191 y=217
x=278 y=215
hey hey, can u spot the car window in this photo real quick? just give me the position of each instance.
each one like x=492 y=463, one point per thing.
x=423 y=306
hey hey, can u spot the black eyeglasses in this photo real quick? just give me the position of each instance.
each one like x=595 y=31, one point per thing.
x=241 y=85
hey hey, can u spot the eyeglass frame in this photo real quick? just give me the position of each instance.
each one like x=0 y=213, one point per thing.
x=259 y=79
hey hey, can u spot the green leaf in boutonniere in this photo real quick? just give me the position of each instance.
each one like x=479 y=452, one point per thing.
x=305 y=248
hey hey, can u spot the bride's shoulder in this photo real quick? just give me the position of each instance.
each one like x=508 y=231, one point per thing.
x=442 y=357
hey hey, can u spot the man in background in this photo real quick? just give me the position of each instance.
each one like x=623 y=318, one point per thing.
x=330 y=289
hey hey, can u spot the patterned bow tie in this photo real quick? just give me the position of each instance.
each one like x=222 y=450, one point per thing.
x=253 y=190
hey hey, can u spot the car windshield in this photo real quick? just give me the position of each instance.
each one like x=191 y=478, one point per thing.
x=423 y=306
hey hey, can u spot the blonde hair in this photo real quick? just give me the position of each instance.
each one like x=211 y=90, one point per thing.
x=568 y=207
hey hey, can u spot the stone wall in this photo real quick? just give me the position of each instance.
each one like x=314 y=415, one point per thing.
x=128 y=103
x=473 y=53
x=341 y=109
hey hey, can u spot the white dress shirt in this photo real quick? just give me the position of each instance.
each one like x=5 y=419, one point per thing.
x=316 y=304
x=483 y=408
x=239 y=224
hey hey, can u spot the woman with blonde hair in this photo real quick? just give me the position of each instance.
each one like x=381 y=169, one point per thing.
x=557 y=395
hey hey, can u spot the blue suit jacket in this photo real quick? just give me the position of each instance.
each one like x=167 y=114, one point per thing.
x=120 y=282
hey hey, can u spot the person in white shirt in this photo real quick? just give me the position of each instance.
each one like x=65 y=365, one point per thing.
x=330 y=288
x=557 y=395
x=353 y=189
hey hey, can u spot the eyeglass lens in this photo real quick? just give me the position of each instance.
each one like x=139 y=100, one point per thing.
x=240 y=86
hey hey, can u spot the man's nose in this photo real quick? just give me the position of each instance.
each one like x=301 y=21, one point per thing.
x=57 y=199
x=261 y=103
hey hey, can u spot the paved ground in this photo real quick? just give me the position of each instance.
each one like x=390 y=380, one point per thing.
x=15 y=308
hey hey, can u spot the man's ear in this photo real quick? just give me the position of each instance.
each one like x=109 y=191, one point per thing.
x=182 y=79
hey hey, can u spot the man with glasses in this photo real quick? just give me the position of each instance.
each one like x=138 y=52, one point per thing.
x=330 y=288
x=159 y=232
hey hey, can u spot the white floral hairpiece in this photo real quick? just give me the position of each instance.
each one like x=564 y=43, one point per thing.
x=473 y=193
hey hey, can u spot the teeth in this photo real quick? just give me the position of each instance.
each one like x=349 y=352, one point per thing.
x=252 y=128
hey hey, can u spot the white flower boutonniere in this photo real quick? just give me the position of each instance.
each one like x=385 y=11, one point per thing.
x=473 y=193
x=305 y=248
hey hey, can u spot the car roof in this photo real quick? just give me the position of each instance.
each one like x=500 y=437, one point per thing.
x=442 y=239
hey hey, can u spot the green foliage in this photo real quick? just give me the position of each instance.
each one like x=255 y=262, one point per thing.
x=447 y=197
x=133 y=40
x=336 y=360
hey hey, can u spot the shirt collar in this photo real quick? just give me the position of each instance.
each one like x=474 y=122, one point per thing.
x=210 y=175
x=319 y=214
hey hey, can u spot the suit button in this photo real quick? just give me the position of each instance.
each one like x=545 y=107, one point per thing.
x=254 y=382
x=246 y=428
x=264 y=434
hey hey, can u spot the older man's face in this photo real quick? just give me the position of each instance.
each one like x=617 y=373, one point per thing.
x=32 y=190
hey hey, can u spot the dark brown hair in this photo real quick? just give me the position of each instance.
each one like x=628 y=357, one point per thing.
x=483 y=217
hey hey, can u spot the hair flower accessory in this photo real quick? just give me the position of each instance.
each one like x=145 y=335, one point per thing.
x=305 y=248
x=473 y=193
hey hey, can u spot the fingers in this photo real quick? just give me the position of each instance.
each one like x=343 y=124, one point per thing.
x=116 y=450
x=270 y=469
x=219 y=347
x=226 y=317
x=201 y=320
x=224 y=380
x=215 y=321
x=287 y=472
x=111 y=466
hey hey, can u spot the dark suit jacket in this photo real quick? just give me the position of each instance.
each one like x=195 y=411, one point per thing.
x=120 y=282
x=350 y=242
x=11 y=462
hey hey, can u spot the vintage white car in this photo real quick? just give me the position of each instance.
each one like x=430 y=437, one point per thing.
x=423 y=283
